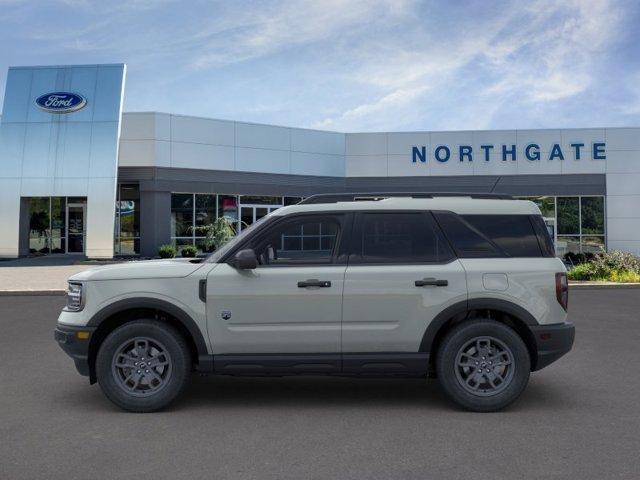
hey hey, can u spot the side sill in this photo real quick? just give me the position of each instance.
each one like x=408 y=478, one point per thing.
x=349 y=364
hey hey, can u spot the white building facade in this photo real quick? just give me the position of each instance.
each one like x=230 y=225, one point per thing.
x=90 y=179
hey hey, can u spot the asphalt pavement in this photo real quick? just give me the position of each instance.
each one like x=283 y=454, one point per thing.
x=578 y=419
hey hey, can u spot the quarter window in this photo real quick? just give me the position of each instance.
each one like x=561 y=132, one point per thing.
x=399 y=238
x=514 y=234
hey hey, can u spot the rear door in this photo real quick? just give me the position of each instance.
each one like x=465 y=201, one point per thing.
x=401 y=274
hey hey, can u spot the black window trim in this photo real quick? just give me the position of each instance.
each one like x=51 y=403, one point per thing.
x=356 y=235
x=338 y=256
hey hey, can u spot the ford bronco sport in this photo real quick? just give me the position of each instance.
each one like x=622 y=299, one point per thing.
x=465 y=288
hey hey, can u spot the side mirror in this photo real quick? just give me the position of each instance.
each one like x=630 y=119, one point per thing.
x=245 y=260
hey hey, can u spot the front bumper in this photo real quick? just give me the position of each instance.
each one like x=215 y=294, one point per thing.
x=552 y=341
x=75 y=342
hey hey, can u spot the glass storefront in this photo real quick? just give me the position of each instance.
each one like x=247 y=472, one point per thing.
x=192 y=210
x=577 y=224
x=127 y=227
x=57 y=225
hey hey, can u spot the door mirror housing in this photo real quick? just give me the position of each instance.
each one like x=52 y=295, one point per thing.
x=245 y=259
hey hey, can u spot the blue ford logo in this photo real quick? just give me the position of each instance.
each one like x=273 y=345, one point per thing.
x=61 y=102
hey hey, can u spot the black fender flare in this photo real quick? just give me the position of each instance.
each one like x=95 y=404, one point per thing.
x=155 y=304
x=464 y=307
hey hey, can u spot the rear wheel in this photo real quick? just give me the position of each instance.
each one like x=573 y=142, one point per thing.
x=483 y=365
x=143 y=365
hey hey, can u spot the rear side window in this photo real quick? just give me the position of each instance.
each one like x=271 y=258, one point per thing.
x=544 y=236
x=399 y=238
x=466 y=239
x=514 y=234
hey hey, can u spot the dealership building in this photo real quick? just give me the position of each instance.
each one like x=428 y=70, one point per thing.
x=79 y=176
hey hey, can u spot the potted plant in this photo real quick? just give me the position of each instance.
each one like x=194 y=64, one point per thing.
x=166 y=251
x=218 y=233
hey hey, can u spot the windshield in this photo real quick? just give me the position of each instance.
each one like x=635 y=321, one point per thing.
x=222 y=251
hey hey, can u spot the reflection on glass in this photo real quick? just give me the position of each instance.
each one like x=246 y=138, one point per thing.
x=58 y=245
x=568 y=216
x=567 y=244
x=592 y=213
x=592 y=244
x=181 y=214
x=228 y=206
x=246 y=215
x=181 y=242
x=39 y=225
x=127 y=227
x=58 y=214
x=205 y=209
x=547 y=206
x=260 y=200
x=291 y=200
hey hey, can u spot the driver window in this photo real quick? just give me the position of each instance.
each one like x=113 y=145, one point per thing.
x=303 y=241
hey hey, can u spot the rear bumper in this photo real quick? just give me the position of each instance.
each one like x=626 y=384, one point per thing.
x=74 y=345
x=552 y=341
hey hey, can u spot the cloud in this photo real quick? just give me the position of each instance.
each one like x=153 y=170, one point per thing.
x=534 y=55
x=255 y=33
x=347 y=65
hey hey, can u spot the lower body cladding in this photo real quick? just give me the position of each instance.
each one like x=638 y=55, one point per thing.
x=551 y=343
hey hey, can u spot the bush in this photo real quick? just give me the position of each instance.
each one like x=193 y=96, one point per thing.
x=578 y=258
x=580 y=272
x=614 y=266
x=189 y=251
x=166 y=251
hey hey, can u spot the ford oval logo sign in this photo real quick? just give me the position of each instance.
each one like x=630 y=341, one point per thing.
x=61 y=102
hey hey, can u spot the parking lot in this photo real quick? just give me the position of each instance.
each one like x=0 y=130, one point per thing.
x=579 y=418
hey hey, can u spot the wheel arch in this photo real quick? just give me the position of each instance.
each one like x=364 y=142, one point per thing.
x=123 y=311
x=503 y=311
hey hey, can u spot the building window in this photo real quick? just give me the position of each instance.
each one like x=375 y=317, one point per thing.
x=192 y=210
x=127 y=228
x=57 y=225
x=576 y=224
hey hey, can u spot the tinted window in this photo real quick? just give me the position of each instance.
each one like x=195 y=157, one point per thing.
x=467 y=241
x=544 y=237
x=514 y=234
x=399 y=238
x=306 y=240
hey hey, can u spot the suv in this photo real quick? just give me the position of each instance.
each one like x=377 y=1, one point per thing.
x=463 y=287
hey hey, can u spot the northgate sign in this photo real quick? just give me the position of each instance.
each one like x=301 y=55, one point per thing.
x=577 y=151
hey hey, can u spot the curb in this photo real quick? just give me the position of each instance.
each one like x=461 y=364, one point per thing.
x=18 y=293
x=603 y=286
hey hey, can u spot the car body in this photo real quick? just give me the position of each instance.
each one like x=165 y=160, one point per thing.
x=342 y=285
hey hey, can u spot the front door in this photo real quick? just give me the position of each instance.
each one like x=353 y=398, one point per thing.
x=401 y=274
x=75 y=227
x=292 y=302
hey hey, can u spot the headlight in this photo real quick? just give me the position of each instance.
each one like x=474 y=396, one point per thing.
x=75 y=300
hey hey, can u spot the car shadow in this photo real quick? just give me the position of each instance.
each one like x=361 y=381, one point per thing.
x=301 y=392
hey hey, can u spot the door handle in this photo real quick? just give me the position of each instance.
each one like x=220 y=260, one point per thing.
x=427 y=282
x=314 y=283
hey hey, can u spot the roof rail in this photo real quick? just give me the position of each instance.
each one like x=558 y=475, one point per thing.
x=364 y=196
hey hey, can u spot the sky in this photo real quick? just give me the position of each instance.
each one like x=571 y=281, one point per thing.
x=351 y=65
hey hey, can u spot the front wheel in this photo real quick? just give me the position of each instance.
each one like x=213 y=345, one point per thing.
x=483 y=365
x=143 y=365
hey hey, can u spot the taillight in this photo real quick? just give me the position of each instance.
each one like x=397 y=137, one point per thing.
x=562 y=289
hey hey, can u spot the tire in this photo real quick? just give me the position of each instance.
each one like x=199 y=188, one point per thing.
x=139 y=385
x=479 y=343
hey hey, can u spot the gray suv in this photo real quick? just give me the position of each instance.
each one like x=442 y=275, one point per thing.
x=465 y=288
